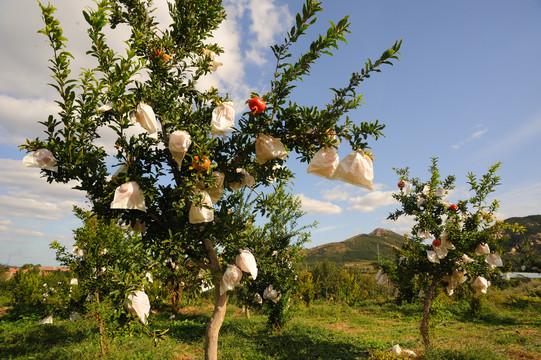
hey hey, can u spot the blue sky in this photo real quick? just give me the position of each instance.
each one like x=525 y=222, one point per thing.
x=467 y=90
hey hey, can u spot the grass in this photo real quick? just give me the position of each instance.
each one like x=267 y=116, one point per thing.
x=322 y=331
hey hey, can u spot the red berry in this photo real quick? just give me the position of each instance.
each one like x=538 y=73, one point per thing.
x=453 y=207
x=401 y=184
x=436 y=243
x=257 y=105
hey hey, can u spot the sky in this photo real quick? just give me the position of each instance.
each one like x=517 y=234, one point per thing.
x=466 y=90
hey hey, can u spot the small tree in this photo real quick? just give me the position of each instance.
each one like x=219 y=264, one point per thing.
x=167 y=174
x=277 y=244
x=109 y=263
x=450 y=243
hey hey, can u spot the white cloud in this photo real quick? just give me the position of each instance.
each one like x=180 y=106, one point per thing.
x=19 y=118
x=325 y=228
x=17 y=180
x=401 y=226
x=33 y=209
x=268 y=19
x=519 y=134
x=312 y=206
x=12 y=240
x=24 y=194
x=9 y=229
x=472 y=137
x=337 y=193
x=371 y=201
x=344 y=192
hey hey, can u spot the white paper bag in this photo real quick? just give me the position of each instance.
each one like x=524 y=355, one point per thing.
x=247 y=180
x=272 y=294
x=144 y=115
x=140 y=305
x=268 y=148
x=246 y=262
x=199 y=215
x=129 y=196
x=217 y=191
x=179 y=142
x=324 y=163
x=223 y=119
x=356 y=169
x=230 y=279
x=41 y=158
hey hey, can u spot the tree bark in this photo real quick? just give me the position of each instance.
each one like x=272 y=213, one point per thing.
x=220 y=303
x=215 y=323
x=100 y=324
x=426 y=311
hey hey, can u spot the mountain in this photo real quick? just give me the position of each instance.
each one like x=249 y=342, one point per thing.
x=360 y=247
x=365 y=246
x=524 y=249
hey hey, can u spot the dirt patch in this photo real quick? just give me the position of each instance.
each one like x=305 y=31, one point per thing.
x=185 y=353
x=522 y=355
x=344 y=327
x=195 y=310
x=4 y=310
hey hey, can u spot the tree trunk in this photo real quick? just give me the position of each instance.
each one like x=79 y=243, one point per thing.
x=100 y=324
x=216 y=321
x=426 y=311
x=175 y=294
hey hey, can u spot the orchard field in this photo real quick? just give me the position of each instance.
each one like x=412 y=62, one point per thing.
x=361 y=322
x=189 y=208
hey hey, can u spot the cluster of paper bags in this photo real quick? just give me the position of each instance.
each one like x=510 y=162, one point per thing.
x=356 y=168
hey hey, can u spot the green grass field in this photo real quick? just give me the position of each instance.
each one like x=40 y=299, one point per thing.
x=322 y=331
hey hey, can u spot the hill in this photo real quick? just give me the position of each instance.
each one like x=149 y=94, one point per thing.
x=364 y=247
x=532 y=235
x=357 y=248
x=524 y=249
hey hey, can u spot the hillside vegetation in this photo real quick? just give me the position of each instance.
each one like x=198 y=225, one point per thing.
x=524 y=249
x=357 y=248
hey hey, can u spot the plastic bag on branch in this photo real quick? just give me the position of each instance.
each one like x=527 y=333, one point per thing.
x=179 y=142
x=272 y=294
x=138 y=226
x=216 y=192
x=494 y=260
x=467 y=259
x=144 y=115
x=268 y=148
x=41 y=158
x=140 y=305
x=481 y=285
x=482 y=249
x=129 y=196
x=432 y=256
x=381 y=277
x=230 y=279
x=203 y=214
x=213 y=63
x=247 y=180
x=223 y=119
x=324 y=163
x=246 y=262
x=77 y=251
x=47 y=320
x=122 y=169
x=356 y=169
x=74 y=316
